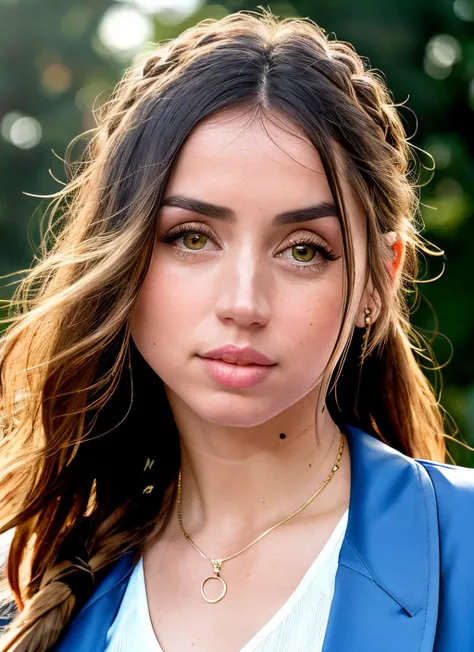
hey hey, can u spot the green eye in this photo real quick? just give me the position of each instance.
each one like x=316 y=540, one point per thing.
x=300 y=253
x=194 y=241
x=305 y=250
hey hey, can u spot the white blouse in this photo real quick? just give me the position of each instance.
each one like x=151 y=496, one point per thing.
x=298 y=626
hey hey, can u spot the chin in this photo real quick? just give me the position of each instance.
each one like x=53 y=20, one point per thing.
x=233 y=410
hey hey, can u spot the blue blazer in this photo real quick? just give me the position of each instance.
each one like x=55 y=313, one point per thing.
x=405 y=579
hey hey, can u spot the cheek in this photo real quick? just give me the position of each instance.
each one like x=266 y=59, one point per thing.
x=311 y=326
x=163 y=311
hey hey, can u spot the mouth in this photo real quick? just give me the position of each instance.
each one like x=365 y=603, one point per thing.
x=239 y=374
x=240 y=363
x=242 y=356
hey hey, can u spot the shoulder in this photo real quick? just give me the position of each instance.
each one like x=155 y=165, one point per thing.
x=454 y=490
x=456 y=481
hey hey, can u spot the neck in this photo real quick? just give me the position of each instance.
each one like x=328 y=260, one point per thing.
x=239 y=481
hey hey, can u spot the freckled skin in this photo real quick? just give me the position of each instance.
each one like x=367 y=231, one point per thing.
x=238 y=291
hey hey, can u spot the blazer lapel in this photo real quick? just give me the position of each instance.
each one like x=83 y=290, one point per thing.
x=387 y=582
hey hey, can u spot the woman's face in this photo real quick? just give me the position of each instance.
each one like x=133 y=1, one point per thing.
x=242 y=272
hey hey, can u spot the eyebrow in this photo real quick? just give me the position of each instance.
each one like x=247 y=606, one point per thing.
x=321 y=209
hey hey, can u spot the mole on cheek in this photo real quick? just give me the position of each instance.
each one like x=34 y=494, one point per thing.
x=282 y=435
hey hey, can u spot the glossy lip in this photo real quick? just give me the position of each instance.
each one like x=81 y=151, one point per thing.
x=233 y=354
x=234 y=375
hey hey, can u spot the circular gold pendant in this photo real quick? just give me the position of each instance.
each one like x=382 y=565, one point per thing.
x=224 y=589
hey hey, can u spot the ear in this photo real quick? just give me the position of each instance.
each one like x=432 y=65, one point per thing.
x=371 y=298
x=397 y=246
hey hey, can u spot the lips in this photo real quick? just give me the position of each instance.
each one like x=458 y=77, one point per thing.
x=236 y=376
x=240 y=356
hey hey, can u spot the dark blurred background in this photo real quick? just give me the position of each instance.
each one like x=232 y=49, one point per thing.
x=59 y=59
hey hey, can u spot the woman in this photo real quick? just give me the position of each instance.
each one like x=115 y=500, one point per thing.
x=216 y=432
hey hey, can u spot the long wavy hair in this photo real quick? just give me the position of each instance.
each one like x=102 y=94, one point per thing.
x=76 y=452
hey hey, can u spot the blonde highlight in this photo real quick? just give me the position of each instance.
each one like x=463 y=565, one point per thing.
x=63 y=357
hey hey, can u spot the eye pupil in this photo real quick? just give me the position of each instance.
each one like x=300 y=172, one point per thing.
x=193 y=239
x=305 y=248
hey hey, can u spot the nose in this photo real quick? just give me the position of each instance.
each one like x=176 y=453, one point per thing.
x=244 y=289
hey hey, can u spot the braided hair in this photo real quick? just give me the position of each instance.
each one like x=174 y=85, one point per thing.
x=75 y=460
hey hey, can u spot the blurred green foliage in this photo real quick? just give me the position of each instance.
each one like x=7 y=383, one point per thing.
x=58 y=59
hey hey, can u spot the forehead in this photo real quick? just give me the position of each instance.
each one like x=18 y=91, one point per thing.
x=237 y=148
x=256 y=167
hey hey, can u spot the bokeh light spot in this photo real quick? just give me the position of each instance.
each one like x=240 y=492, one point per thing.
x=168 y=12
x=464 y=9
x=56 y=78
x=21 y=130
x=123 y=30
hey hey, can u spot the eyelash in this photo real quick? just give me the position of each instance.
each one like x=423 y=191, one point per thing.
x=183 y=229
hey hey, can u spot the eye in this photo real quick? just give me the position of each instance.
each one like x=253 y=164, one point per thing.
x=302 y=248
x=305 y=250
x=193 y=236
x=194 y=240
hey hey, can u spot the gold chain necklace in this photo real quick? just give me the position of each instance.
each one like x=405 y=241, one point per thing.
x=217 y=563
